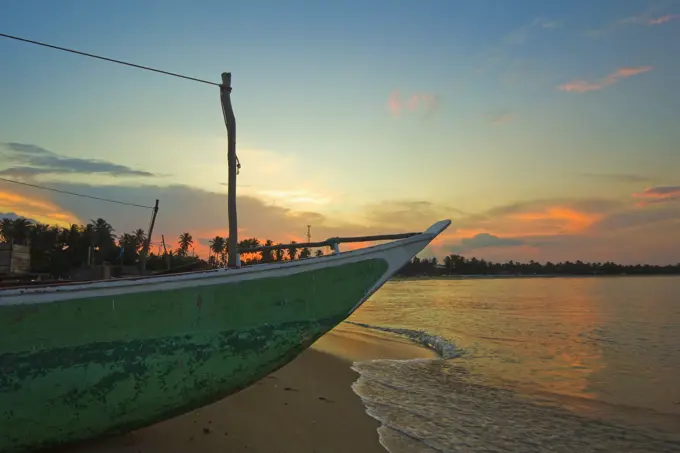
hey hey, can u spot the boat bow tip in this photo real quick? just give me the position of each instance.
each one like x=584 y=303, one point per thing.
x=437 y=228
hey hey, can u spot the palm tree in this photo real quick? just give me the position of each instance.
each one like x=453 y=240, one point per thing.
x=278 y=254
x=217 y=246
x=319 y=252
x=140 y=237
x=292 y=250
x=185 y=241
x=103 y=240
x=249 y=257
x=6 y=229
x=16 y=230
x=305 y=253
x=268 y=255
x=128 y=243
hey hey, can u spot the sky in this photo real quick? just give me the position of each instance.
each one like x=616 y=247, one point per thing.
x=543 y=130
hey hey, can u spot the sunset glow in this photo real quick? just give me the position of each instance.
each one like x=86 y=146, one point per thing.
x=542 y=134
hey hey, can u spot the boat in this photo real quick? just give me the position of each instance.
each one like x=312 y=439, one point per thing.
x=88 y=359
x=84 y=360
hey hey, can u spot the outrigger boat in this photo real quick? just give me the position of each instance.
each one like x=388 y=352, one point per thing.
x=83 y=360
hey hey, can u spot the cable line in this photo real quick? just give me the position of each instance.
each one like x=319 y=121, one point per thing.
x=147 y=68
x=76 y=194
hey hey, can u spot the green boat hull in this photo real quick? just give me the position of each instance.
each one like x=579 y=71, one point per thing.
x=85 y=367
x=91 y=359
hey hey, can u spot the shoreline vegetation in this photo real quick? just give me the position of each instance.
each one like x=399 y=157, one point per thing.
x=58 y=250
x=457 y=266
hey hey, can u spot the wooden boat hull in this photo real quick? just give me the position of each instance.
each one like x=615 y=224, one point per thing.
x=81 y=361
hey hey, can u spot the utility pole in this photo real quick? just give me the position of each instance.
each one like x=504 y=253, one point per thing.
x=165 y=252
x=309 y=234
x=234 y=259
x=147 y=243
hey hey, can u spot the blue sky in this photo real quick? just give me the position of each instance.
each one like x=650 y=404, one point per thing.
x=347 y=107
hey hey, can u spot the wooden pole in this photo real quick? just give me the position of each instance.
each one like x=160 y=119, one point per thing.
x=233 y=259
x=165 y=252
x=147 y=243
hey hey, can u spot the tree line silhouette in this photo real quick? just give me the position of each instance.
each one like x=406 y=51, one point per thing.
x=459 y=265
x=57 y=250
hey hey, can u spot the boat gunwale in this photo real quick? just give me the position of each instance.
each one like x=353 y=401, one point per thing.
x=13 y=296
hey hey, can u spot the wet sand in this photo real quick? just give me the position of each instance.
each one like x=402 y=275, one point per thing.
x=307 y=406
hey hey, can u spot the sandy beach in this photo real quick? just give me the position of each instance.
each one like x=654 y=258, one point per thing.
x=307 y=406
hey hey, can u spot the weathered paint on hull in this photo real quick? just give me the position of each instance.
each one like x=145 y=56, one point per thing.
x=81 y=368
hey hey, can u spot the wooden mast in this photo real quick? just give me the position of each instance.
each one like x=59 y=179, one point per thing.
x=233 y=259
x=147 y=242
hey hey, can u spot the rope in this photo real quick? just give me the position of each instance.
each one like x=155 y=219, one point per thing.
x=76 y=194
x=146 y=68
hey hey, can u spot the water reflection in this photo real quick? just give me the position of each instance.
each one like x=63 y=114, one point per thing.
x=612 y=341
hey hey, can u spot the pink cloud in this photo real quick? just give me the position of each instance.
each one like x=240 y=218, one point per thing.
x=663 y=19
x=416 y=102
x=500 y=118
x=661 y=194
x=583 y=86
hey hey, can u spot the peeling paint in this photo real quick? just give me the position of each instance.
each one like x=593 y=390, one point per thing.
x=76 y=369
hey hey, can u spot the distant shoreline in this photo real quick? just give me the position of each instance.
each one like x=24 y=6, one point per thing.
x=519 y=276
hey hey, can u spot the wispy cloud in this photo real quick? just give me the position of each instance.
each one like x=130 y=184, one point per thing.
x=484 y=240
x=660 y=194
x=499 y=117
x=551 y=24
x=501 y=54
x=28 y=160
x=30 y=206
x=424 y=103
x=537 y=218
x=14 y=216
x=618 y=177
x=650 y=17
x=583 y=86
x=295 y=196
x=521 y=34
x=663 y=19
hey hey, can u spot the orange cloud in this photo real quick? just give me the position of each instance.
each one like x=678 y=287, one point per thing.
x=416 y=102
x=583 y=86
x=39 y=210
x=663 y=19
x=550 y=221
x=559 y=220
x=661 y=194
x=517 y=231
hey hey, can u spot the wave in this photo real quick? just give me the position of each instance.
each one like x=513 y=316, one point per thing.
x=434 y=406
x=446 y=349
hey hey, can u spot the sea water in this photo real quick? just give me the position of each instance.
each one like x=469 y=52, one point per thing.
x=531 y=364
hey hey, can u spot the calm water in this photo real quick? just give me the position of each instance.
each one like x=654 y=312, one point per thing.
x=540 y=364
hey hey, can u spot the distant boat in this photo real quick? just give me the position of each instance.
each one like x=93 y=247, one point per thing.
x=82 y=360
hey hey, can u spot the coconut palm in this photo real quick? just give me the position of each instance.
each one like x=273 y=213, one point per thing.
x=6 y=229
x=250 y=257
x=278 y=254
x=185 y=242
x=268 y=255
x=17 y=230
x=292 y=250
x=140 y=237
x=218 y=245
